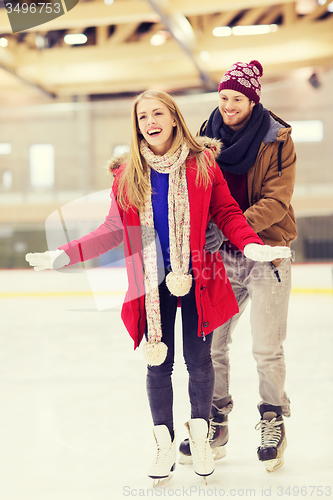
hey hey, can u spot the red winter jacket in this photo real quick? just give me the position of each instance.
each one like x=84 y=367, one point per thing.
x=215 y=300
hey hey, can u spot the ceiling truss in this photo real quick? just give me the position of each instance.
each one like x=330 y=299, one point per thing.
x=119 y=57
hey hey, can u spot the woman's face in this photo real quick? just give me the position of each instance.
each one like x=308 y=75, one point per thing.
x=156 y=125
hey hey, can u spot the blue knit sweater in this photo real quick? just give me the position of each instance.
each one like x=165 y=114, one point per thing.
x=159 y=198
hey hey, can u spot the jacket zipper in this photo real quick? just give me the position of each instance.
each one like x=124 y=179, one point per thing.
x=281 y=143
x=134 y=271
x=203 y=336
x=276 y=272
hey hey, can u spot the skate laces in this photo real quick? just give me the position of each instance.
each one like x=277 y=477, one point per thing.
x=201 y=446
x=270 y=432
x=162 y=453
x=212 y=428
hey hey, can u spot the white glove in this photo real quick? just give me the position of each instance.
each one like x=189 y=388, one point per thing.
x=265 y=253
x=48 y=260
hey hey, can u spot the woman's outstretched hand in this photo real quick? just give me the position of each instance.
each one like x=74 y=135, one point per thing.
x=266 y=253
x=47 y=260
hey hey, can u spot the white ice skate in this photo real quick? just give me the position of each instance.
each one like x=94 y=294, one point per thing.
x=218 y=438
x=165 y=459
x=203 y=460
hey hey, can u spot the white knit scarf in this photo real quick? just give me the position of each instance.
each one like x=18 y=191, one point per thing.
x=179 y=281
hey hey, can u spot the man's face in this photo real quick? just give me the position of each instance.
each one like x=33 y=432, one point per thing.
x=235 y=108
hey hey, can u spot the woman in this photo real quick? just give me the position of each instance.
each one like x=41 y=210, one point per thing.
x=170 y=185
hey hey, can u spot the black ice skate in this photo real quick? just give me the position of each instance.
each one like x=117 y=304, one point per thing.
x=218 y=438
x=273 y=437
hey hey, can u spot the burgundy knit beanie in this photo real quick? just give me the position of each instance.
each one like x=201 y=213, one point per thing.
x=244 y=78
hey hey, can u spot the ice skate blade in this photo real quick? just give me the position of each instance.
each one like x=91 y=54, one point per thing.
x=158 y=481
x=218 y=452
x=161 y=481
x=273 y=465
x=204 y=476
x=276 y=463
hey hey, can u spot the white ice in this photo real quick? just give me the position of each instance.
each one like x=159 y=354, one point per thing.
x=74 y=417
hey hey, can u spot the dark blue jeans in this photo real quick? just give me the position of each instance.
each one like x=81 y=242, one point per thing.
x=197 y=358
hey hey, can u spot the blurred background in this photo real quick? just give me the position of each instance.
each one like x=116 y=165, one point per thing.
x=66 y=89
x=74 y=418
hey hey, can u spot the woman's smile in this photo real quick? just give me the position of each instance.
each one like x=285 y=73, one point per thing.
x=156 y=124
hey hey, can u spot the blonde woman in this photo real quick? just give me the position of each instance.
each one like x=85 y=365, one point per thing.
x=170 y=185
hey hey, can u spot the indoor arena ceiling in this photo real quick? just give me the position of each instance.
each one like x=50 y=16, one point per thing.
x=133 y=45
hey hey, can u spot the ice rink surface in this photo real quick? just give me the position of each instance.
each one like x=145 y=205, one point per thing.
x=74 y=418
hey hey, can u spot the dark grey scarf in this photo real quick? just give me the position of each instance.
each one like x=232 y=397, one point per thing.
x=240 y=148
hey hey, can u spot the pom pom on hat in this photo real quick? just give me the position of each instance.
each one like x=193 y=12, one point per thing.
x=258 y=65
x=244 y=78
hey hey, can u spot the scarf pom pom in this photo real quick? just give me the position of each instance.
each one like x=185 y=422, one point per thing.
x=155 y=353
x=179 y=284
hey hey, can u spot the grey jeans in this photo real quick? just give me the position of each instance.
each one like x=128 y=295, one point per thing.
x=269 y=290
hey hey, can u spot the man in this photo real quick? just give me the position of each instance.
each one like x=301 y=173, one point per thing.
x=258 y=162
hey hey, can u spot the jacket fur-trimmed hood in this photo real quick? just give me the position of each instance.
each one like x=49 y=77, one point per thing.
x=214 y=145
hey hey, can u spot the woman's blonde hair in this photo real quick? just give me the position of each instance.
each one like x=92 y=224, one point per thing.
x=134 y=185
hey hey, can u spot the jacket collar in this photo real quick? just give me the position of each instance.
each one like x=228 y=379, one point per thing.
x=278 y=129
